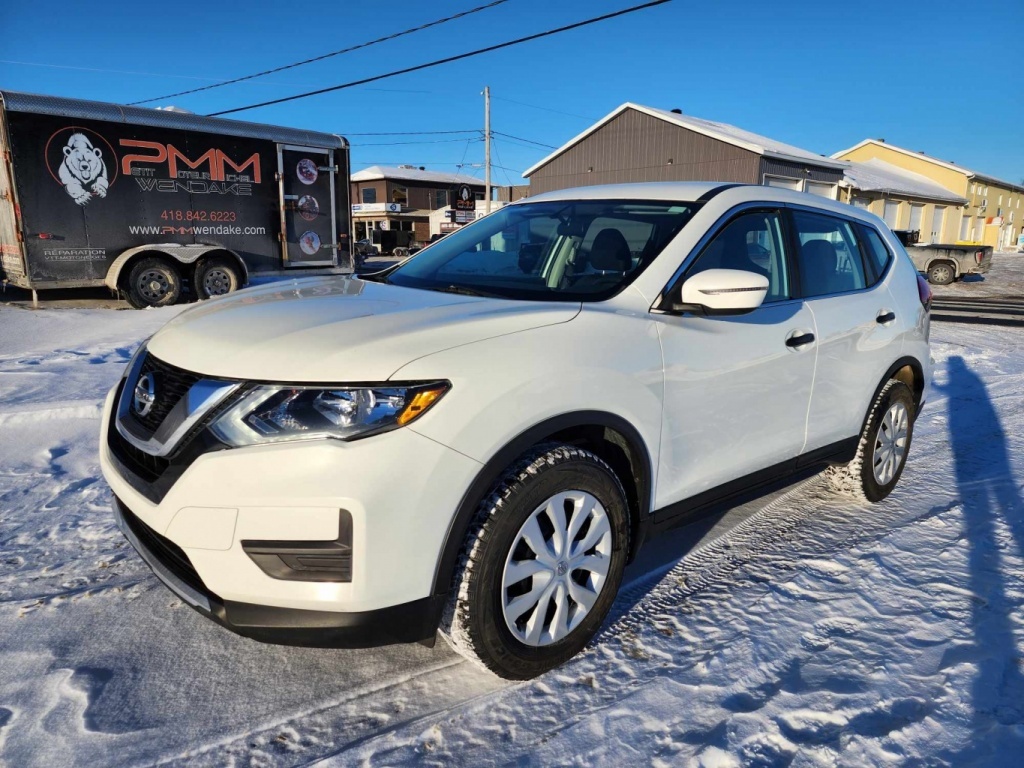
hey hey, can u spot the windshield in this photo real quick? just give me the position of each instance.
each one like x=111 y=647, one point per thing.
x=552 y=251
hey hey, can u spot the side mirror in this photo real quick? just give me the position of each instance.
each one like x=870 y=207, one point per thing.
x=724 y=291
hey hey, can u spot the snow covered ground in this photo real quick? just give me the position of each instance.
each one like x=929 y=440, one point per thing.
x=803 y=630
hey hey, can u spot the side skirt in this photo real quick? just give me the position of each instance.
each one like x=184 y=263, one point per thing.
x=750 y=487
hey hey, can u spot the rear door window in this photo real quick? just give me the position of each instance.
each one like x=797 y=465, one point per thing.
x=829 y=255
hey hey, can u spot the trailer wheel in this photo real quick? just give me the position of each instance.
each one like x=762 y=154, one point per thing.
x=153 y=282
x=216 y=277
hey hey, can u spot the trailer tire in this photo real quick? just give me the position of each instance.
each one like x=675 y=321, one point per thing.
x=153 y=282
x=216 y=276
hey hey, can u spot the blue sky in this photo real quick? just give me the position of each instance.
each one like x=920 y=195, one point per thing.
x=821 y=75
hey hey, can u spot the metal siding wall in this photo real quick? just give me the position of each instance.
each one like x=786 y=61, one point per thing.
x=637 y=147
x=775 y=167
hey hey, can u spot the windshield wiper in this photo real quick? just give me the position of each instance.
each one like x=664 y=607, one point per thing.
x=464 y=291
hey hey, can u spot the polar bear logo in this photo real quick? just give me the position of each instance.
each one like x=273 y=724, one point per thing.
x=83 y=172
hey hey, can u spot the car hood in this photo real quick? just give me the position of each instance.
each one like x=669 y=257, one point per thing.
x=336 y=329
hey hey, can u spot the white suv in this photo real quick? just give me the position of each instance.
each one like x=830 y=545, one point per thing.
x=480 y=438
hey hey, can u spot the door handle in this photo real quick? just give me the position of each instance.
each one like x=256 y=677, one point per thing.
x=797 y=340
x=884 y=318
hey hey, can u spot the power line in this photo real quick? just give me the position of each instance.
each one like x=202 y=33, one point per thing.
x=136 y=73
x=528 y=141
x=448 y=60
x=543 y=109
x=413 y=133
x=324 y=56
x=504 y=170
x=397 y=143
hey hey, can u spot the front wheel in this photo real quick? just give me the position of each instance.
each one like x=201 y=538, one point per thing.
x=883 y=447
x=541 y=565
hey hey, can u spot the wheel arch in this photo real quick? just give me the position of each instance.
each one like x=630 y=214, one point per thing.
x=186 y=255
x=609 y=436
x=907 y=370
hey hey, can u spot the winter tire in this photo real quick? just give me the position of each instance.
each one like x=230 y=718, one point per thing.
x=216 y=277
x=541 y=565
x=941 y=274
x=883 y=447
x=153 y=282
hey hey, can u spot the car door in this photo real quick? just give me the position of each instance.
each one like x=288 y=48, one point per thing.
x=737 y=387
x=856 y=322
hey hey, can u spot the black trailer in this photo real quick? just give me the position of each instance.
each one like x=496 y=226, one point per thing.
x=146 y=201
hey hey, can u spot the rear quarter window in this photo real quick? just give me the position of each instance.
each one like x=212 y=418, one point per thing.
x=877 y=253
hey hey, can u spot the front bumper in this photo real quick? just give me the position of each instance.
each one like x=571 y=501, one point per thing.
x=414 y=622
x=400 y=489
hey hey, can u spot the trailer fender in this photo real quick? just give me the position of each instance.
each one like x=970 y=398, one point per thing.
x=183 y=254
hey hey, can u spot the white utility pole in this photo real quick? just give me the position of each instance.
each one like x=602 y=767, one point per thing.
x=487 y=148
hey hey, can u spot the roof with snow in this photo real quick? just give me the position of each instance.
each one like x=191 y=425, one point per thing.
x=411 y=173
x=879 y=176
x=948 y=164
x=730 y=134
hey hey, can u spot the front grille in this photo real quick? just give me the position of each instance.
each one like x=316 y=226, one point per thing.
x=166 y=551
x=148 y=468
x=171 y=385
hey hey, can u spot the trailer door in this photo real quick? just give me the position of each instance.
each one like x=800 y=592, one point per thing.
x=309 y=231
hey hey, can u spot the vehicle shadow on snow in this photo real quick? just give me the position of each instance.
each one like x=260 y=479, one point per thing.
x=992 y=506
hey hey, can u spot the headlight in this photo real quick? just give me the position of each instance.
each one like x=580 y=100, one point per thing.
x=273 y=413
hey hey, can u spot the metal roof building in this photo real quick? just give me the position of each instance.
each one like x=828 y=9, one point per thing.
x=639 y=143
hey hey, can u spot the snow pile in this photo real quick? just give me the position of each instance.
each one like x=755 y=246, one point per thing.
x=815 y=632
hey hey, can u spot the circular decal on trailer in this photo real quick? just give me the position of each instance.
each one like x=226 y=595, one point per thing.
x=308 y=207
x=306 y=170
x=81 y=161
x=309 y=242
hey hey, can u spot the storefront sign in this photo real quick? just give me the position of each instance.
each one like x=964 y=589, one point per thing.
x=377 y=208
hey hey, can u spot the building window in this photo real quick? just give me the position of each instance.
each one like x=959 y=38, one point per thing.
x=916 y=210
x=400 y=195
x=891 y=213
x=937 y=221
x=369 y=194
x=965 y=225
x=440 y=198
x=861 y=202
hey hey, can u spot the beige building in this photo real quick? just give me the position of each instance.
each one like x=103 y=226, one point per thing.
x=903 y=199
x=993 y=209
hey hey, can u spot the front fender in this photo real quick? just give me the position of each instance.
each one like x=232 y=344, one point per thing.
x=510 y=393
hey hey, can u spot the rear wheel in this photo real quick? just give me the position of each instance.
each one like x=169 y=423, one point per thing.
x=541 y=565
x=883 y=447
x=216 y=277
x=941 y=274
x=153 y=282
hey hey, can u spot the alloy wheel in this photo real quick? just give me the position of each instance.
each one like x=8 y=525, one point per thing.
x=890 y=443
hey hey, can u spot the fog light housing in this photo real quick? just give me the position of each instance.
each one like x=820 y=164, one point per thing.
x=319 y=561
